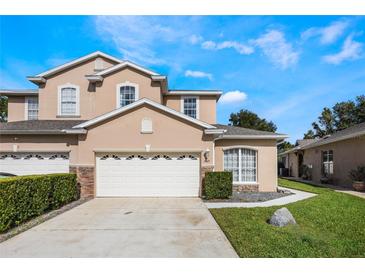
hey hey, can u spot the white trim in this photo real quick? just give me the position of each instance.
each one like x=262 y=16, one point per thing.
x=127 y=150
x=26 y=102
x=240 y=146
x=215 y=131
x=25 y=108
x=246 y=137
x=124 y=64
x=78 y=61
x=37 y=79
x=68 y=85
x=19 y=92
x=94 y=78
x=125 y=84
x=197 y=104
x=240 y=164
x=149 y=126
x=193 y=93
x=138 y=103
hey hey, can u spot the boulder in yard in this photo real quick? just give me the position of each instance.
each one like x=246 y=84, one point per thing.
x=282 y=217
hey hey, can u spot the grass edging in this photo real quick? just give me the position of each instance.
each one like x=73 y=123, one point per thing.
x=40 y=219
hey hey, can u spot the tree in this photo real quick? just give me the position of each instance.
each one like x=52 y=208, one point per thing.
x=341 y=116
x=3 y=109
x=284 y=146
x=248 y=119
x=309 y=135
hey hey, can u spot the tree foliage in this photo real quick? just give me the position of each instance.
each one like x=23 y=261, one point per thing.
x=3 y=108
x=341 y=116
x=248 y=119
x=284 y=146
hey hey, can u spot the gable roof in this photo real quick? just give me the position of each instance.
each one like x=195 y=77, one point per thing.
x=348 y=133
x=232 y=132
x=123 y=65
x=72 y=63
x=137 y=104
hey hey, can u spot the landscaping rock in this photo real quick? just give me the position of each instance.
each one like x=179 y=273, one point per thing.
x=282 y=217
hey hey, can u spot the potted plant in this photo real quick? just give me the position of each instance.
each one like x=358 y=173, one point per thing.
x=358 y=178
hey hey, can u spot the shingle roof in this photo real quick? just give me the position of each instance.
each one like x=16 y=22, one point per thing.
x=38 y=125
x=305 y=142
x=236 y=131
x=351 y=132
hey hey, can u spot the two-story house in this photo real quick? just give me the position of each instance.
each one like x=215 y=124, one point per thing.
x=124 y=133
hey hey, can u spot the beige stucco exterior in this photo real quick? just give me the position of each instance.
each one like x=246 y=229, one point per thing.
x=207 y=106
x=122 y=133
x=266 y=159
x=16 y=108
x=347 y=155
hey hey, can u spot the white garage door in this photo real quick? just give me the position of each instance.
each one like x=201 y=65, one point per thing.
x=147 y=175
x=34 y=163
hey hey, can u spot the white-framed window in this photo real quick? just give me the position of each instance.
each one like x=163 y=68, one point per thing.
x=327 y=163
x=68 y=100
x=190 y=106
x=127 y=93
x=31 y=108
x=146 y=125
x=242 y=162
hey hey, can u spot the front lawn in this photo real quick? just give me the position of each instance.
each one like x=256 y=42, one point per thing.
x=330 y=224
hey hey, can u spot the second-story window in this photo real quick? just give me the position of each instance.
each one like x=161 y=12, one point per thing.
x=190 y=106
x=68 y=100
x=32 y=108
x=127 y=93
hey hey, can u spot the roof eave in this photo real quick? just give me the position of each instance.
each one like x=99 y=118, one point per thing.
x=261 y=137
x=38 y=80
x=42 y=132
x=325 y=142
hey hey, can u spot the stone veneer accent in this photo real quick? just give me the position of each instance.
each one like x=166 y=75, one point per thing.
x=246 y=188
x=85 y=179
x=203 y=170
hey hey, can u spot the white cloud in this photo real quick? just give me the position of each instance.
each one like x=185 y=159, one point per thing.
x=277 y=49
x=239 y=47
x=136 y=37
x=351 y=50
x=195 y=39
x=198 y=74
x=234 y=96
x=327 y=35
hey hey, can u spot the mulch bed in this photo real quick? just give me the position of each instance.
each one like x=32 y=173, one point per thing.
x=252 y=197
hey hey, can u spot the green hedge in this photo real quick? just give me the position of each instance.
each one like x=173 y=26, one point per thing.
x=25 y=197
x=218 y=185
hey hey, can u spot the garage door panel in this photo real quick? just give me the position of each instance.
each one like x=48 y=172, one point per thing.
x=148 y=175
x=34 y=163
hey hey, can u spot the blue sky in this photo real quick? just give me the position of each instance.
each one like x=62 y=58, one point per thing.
x=284 y=68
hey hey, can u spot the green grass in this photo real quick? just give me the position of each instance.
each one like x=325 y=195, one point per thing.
x=330 y=224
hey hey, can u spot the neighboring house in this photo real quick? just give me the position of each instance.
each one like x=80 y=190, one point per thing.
x=330 y=158
x=124 y=133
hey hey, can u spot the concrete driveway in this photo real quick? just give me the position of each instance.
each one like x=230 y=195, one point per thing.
x=125 y=227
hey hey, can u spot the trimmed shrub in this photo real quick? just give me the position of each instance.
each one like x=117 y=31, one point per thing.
x=218 y=185
x=25 y=197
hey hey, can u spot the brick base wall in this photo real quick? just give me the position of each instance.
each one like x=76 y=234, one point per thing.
x=85 y=179
x=246 y=188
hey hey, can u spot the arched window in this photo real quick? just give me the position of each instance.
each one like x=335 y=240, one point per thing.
x=127 y=93
x=243 y=164
x=68 y=100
